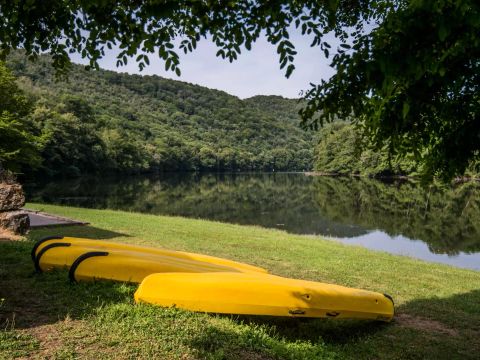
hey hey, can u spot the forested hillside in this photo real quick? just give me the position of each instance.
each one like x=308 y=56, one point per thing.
x=103 y=121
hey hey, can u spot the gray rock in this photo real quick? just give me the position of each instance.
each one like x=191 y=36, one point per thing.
x=17 y=222
x=11 y=197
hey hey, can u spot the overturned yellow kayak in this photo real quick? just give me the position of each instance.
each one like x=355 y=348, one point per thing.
x=96 y=259
x=262 y=294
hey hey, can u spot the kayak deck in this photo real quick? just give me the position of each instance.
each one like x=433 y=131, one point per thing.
x=123 y=262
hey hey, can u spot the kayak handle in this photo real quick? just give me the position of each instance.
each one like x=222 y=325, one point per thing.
x=78 y=261
x=40 y=242
x=389 y=298
x=296 y=312
x=332 y=314
x=44 y=250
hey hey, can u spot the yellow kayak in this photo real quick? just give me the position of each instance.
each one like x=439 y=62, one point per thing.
x=262 y=294
x=123 y=262
x=129 y=266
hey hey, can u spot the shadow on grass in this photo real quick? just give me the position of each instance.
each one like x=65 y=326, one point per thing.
x=85 y=231
x=436 y=328
x=283 y=338
x=332 y=331
x=457 y=313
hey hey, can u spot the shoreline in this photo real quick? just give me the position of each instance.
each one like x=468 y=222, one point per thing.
x=80 y=213
x=456 y=180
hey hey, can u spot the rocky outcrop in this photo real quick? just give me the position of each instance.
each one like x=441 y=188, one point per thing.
x=12 y=198
x=16 y=221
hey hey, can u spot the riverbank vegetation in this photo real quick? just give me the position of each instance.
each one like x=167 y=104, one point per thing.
x=45 y=316
x=342 y=150
x=103 y=121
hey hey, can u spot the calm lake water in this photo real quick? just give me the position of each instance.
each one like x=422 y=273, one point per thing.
x=440 y=225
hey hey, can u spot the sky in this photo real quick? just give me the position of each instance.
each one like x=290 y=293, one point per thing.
x=256 y=72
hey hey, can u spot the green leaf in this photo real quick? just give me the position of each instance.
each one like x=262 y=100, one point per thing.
x=290 y=69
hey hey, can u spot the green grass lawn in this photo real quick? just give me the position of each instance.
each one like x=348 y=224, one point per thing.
x=44 y=316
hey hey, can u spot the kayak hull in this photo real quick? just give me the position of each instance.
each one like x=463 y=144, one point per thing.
x=262 y=294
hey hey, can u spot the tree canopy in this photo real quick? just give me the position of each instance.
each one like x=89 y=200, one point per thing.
x=412 y=85
x=18 y=146
x=407 y=72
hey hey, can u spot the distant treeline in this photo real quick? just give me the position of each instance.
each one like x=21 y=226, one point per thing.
x=340 y=151
x=103 y=121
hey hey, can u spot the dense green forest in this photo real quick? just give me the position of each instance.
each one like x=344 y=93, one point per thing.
x=340 y=151
x=103 y=121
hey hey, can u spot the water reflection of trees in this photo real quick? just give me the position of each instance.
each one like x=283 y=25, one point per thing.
x=270 y=199
x=448 y=220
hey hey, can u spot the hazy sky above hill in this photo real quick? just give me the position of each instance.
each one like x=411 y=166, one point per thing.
x=256 y=72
